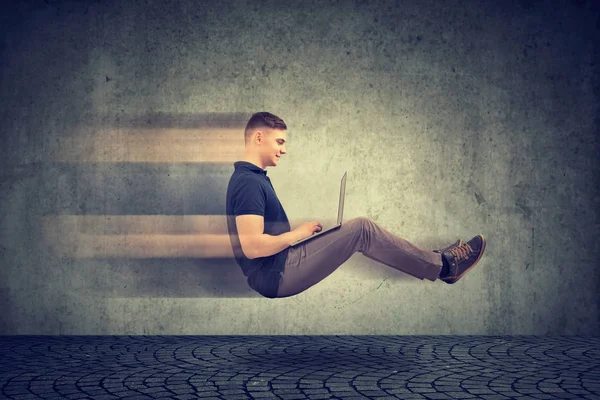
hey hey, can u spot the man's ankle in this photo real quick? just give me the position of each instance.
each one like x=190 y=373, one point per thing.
x=445 y=267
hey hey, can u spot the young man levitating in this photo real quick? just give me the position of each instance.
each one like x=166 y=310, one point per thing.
x=261 y=236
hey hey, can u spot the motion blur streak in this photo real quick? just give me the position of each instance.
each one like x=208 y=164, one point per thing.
x=137 y=236
x=152 y=145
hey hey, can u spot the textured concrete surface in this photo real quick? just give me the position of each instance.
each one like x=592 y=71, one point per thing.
x=300 y=367
x=450 y=120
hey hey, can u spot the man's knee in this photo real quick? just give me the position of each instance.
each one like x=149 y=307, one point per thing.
x=360 y=228
x=360 y=221
x=360 y=224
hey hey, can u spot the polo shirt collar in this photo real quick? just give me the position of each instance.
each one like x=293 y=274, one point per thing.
x=250 y=166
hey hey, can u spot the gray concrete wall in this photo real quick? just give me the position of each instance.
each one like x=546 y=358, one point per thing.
x=450 y=120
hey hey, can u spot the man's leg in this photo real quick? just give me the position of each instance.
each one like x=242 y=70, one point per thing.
x=314 y=260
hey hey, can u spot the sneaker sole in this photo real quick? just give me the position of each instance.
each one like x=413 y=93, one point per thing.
x=453 y=280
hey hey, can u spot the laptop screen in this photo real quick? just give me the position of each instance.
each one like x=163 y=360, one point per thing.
x=342 y=196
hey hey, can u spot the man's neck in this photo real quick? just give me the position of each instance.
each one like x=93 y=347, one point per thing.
x=253 y=161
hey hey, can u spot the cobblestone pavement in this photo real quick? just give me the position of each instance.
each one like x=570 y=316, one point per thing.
x=300 y=367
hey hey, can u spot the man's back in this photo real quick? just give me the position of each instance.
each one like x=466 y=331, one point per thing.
x=250 y=192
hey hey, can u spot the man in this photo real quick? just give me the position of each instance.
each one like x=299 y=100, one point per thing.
x=261 y=235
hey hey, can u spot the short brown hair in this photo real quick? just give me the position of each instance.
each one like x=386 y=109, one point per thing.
x=262 y=119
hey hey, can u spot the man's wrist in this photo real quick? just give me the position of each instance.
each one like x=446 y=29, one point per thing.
x=293 y=238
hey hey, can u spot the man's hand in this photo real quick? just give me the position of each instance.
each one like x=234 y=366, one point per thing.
x=307 y=229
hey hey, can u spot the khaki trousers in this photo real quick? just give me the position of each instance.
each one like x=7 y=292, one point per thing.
x=312 y=261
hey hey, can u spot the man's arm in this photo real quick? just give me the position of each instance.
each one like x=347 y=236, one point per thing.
x=255 y=243
x=267 y=245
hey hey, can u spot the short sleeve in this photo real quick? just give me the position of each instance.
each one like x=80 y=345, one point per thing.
x=248 y=198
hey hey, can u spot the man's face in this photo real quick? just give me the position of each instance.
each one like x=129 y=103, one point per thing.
x=273 y=146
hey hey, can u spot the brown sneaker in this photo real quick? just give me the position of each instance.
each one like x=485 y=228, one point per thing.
x=462 y=258
x=458 y=243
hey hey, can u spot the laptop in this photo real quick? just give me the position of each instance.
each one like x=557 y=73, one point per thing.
x=340 y=214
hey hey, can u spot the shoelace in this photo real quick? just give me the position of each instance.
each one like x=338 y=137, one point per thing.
x=461 y=253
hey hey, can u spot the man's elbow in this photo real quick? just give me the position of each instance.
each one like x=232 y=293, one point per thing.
x=250 y=250
x=249 y=255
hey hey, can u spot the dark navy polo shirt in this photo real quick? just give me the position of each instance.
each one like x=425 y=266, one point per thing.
x=250 y=192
